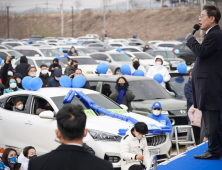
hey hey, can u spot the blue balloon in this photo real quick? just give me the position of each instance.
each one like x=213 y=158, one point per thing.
x=102 y=68
x=77 y=42
x=83 y=43
x=36 y=84
x=179 y=80
x=58 y=57
x=177 y=51
x=65 y=81
x=135 y=33
x=0 y=60
x=182 y=68
x=138 y=73
x=78 y=81
x=125 y=69
x=166 y=49
x=60 y=49
x=119 y=49
x=26 y=82
x=30 y=41
x=158 y=77
x=66 y=55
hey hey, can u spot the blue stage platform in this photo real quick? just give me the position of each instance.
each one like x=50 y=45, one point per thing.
x=186 y=161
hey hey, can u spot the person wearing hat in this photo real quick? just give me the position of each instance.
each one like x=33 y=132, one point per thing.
x=44 y=75
x=156 y=115
x=32 y=71
x=159 y=69
x=19 y=78
x=54 y=82
x=55 y=65
x=72 y=52
x=23 y=66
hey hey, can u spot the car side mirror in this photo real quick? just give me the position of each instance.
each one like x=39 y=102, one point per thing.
x=37 y=55
x=124 y=107
x=109 y=60
x=47 y=115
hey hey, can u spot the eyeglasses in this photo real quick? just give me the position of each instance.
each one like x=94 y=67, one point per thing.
x=12 y=81
x=201 y=16
x=156 y=109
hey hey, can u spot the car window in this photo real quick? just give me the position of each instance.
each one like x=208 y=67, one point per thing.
x=83 y=50
x=39 y=105
x=95 y=45
x=3 y=55
x=95 y=56
x=181 y=47
x=2 y=47
x=26 y=52
x=120 y=57
x=10 y=103
x=165 y=54
x=15 y=53
x=130 y=49
x=93 y=85
x=186 y=48
x=177 y=84
x=103 y=57
x=51 y=52
x=116 y=45
x=86 y=61
x=143 y=56
x=17 y=44
x=166 y=45
x=2 y=102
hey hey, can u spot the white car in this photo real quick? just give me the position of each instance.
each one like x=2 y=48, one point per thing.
x=5 y=53
x=154 y=42
x=130 y=49
x=15 y=43
x=119 y=40
x=37 y=62
x=26 y=128
x=147 y=60
x=86 y=63
x=167 y=45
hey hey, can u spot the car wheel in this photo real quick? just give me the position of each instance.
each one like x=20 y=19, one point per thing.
x=118 y=72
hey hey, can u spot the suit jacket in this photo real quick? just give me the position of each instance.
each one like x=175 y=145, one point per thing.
x=69 y=157
x=207 y=71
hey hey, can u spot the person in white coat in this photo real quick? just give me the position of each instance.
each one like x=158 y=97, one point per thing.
x=136 y=66
x=134 y=150
x=159 y=68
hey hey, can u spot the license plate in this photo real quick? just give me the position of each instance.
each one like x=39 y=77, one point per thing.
x=181 y=130
x=154 y=151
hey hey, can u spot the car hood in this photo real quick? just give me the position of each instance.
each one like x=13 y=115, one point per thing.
x=174 y=59
x=88 y=68
x=152 y=62
x=124 y=62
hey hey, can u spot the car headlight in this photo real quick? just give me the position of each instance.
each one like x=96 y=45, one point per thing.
x=87 y=72
x=99 y=135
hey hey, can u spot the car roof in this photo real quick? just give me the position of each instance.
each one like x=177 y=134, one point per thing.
x=113 y=78
x=73 y=57
x=6 y=50
x=25 y=47
x=41 y=58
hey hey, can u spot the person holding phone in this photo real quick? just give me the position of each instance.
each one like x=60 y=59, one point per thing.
x=7 y=70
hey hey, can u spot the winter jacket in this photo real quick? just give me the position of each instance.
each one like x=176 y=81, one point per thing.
x=22 y=68
x=70 y=53
x=195 y=116
x=163 y=120
x=127 y=98
x=53 y=66
x=4 y=73
x=45 y=78
x=9 y=90
x=161 y=70
x=189 y=95
x=139 y=68
x=2 y=87
x=71 y=70
x=130 y=147
x=24 y=161
x=53 y=83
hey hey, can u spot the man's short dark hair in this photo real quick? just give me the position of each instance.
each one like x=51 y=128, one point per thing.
x=43 y=65
x=141 y=127
x=71 y=121
x=74 y=61
x=213 y=11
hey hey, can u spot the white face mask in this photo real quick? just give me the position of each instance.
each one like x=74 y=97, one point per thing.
x=20 y=107
x=10 y=73
x=13 y=85
x=18 y=80
x=69 y=63
x=156 y=112
x=33 y=74
x=158 y=63
x=138 y=136
x=57 y=78
x=44 y=71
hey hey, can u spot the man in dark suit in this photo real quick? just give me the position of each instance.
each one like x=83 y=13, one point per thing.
x=71 y=121
x=207 y=79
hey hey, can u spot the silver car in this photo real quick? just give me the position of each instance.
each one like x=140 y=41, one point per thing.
x=114 y=60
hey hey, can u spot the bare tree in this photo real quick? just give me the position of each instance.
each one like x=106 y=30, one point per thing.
x=135 y=4
x=78 y=4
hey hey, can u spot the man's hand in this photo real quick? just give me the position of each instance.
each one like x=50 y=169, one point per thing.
x=52 y=68
x=8 y=59
x=139 y=157
x=189 y=36
x=56 y=67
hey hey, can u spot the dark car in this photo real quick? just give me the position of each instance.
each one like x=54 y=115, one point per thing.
x=168 y=56
x=185 y=53
x=100 y=47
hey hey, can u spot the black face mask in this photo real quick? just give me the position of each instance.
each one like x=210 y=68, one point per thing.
x=136 y=64
x=49 y=108
x=55 y=64
x=34 y=156
x=76 y=66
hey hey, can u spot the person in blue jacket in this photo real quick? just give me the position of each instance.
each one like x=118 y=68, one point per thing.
x=156 y=115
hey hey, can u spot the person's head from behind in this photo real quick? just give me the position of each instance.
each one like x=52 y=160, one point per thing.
x=12 y=83
x=78 y=72
x=32 y=71
x=10 y=158
x=74 y=63
x=156 y=108
x=55 y=61
x=72 y=48
x=44 y=69
x=58 y=74
x=121 y=82
x=29 y=152
x=18 y=104
x=140 y=129
x=209 y=17
x=71 y=122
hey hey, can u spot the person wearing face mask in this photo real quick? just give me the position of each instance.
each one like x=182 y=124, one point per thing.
x=10 y=160
x=6 y=70
x=28 y=153
x=134 y=149
x=44 y=75
x=19 y=78
x=136 y=66
x=122 y=94
x=18 y=105
x=55 y=65
x=12 y=86
x=73 y=67
x=54 y=82
x=2 y=166
x=67 y=67
x=159 y=69
x=156 y=115
x=32 y=71
x=72 y=52
x=23 y=66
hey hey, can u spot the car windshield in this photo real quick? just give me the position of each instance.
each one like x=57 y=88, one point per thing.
x=51 y=52
x=9 y=46
x=177 y=84
x=108 y=46
x=166 y=54
x=24 y=43
x=85 y=61
x=47 y=62
x=143 y=56
x=15 y=53
x=120 y=57
x=99 y=99
x=84 y=50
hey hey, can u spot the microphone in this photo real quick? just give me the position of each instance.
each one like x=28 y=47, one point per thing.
x=196 y=27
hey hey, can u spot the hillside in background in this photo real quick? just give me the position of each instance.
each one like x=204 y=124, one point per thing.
x=164 y=24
